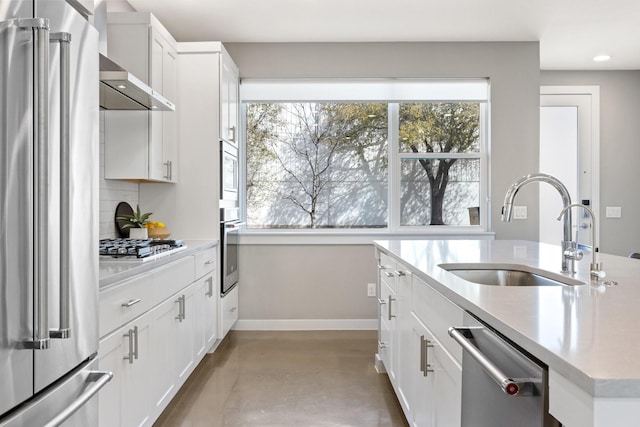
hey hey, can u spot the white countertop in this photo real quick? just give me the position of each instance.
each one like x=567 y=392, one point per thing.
x=587 y=333
x=115 y=270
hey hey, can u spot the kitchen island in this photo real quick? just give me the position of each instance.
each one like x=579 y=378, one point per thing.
x=584 y=333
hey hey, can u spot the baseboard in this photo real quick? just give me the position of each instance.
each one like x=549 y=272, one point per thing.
x=305 y=324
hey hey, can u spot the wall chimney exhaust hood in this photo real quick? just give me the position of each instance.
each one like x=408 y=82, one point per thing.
x=120 y=90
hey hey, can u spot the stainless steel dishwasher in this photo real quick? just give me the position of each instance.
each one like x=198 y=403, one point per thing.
x=501 y=385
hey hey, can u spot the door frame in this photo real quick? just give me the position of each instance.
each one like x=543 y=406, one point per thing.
x=594 y=92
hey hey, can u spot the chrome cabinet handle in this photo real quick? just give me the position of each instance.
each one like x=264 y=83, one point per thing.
x=210 y=291
x=382 y=344
x=211 y=261
x=381 y=301
x=509 y=386
x=131 y=302
x=184 y=308
x=40 y=151
x=181 y=308
x=388 y=274
x=425 y=344
x=64 y=329
x=99 y=380
x=130 y=356
x=391 y=299
x=135 y=351
x=400 y=273
x=169 y=165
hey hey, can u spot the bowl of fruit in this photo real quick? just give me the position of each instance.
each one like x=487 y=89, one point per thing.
x=157 y=230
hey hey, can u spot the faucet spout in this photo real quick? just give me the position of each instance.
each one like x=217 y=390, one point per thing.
x=509 y=198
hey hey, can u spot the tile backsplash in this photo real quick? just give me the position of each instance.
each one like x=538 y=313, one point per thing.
x=112 y=192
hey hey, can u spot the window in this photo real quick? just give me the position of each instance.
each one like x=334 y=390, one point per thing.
x=363 y=154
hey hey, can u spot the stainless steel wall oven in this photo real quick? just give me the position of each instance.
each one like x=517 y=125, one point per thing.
x=229 y=172
x=229 y=226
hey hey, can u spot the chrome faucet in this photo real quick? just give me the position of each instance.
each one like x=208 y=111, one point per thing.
x=595 y=268
x=568 y=246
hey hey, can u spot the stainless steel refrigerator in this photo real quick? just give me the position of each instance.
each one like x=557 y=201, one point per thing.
x=48 y=209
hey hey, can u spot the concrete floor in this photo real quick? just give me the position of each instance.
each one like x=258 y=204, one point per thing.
x=281 y=379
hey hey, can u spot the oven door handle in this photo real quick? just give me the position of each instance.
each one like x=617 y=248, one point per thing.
x=511 y=387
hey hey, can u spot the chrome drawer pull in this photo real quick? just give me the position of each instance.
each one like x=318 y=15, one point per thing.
x=131 y=302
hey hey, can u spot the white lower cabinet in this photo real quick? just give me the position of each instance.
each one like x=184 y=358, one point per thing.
x=127 y=353
x=152 y=355
x=413 y=324
x=435 y=392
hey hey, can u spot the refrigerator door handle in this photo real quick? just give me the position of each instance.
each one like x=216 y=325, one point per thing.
x=40 y=29
x=64 y=40
x=99 y=380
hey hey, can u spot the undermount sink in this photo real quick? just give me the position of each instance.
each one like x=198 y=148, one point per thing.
x=508 y=275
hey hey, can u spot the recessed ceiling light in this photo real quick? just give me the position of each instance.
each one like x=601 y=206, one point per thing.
x=122 y=86
x=601 y=58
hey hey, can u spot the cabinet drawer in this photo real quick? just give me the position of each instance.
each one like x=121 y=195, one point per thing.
x=120 y=304
x=172 y=278
x=229 y=305
x=388 y=269
x=438 y=314
x=205 y=262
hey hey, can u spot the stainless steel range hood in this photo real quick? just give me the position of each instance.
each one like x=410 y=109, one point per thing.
x=120 y=90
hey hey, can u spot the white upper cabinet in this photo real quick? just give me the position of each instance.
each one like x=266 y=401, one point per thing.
x=229 y=94
x=142 y=145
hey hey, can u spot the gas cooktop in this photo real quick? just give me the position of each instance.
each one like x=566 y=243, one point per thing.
x=138 y=249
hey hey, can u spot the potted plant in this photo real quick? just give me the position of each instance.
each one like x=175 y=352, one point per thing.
x=136 y=223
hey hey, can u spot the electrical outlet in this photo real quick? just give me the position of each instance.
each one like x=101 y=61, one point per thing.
x=519 y=212
x=613 y=212
x=371 y=289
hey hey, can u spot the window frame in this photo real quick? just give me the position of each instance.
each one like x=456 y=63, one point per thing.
x=395 y=158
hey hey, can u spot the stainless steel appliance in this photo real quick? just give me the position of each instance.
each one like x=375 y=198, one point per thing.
x=229 y=226
x=501 y=384
x=141 y=250
x=229 y=174
x=48 y=204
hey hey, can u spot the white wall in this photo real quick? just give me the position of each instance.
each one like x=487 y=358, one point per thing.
x=619 y=151
x=311 y=282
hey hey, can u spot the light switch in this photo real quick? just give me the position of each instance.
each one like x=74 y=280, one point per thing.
x=614 y=212
x=519 y=212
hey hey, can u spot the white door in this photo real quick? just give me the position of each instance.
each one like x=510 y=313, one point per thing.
x=569 y=150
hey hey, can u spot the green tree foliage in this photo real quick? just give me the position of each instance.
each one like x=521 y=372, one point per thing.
x=439 y=128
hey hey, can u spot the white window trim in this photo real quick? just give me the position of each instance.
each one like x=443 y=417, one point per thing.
x=293 y=91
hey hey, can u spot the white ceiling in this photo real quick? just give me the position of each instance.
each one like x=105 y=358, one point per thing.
x=571 y=32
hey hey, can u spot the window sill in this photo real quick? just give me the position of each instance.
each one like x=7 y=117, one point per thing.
x=356 y=237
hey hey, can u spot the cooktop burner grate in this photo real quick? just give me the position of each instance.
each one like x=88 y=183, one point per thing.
x=138 y=248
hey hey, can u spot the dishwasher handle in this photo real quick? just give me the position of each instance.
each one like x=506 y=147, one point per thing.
x=512 y=387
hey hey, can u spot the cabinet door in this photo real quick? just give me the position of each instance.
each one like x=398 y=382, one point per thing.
x=210 y=311
x=162 y=124
x=185 y=339
x=388 y=330
x=422 y=388
x=402 y=337
x=229 y=84
x=435 y=394
x=200 y=301
x=165 y=336
x=447 y=406
x=170 y=118
x=127 y=353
